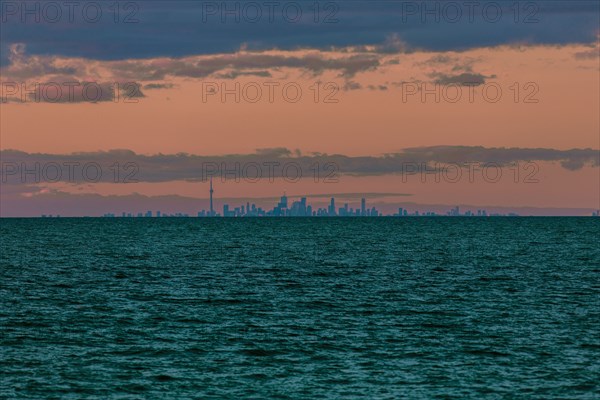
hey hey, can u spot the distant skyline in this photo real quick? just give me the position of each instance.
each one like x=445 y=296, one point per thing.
x=288 y=207
x=179 y=85
x=324 y=205
x=551 y=183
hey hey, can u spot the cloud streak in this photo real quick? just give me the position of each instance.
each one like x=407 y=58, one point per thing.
x=226 y=65
x=192 y=168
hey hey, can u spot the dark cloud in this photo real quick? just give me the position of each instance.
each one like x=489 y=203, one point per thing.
x=178 y=29
x=570 y=159
x=235 y=74
x=228 y=66
x=201 y=67
x=440 y=59
x=187 y=167
x=151 y=86
x=276 y=152
x=97 y=93
x=69 y=91
x=377 y=87
x=464 y=79
x=24 y=66
x=351 y=85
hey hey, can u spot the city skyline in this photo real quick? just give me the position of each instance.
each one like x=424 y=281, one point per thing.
x=420 y=90
x=300 y=208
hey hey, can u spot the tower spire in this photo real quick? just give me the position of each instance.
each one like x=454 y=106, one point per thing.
x=212 y=211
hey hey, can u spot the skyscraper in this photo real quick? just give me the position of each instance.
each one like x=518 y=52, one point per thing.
x=284 y=201
x=363 y=207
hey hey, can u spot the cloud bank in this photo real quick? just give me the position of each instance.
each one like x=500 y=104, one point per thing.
x=189 y=167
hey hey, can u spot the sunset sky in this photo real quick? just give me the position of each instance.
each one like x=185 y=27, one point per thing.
x=371 y=86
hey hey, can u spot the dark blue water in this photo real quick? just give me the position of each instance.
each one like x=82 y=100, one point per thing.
x=300 y=308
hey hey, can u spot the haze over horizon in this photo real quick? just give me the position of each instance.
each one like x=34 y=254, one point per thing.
x=516 y=90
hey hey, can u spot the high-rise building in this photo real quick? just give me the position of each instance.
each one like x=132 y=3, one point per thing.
x=284 y=201
x=363 y=207
x=331 y=210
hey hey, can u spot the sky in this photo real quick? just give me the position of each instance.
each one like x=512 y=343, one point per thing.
x=426 y=105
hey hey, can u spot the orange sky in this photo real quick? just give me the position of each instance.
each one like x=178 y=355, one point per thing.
x=362 y=122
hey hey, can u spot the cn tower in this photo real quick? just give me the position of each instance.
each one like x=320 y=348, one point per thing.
x=212 y=211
